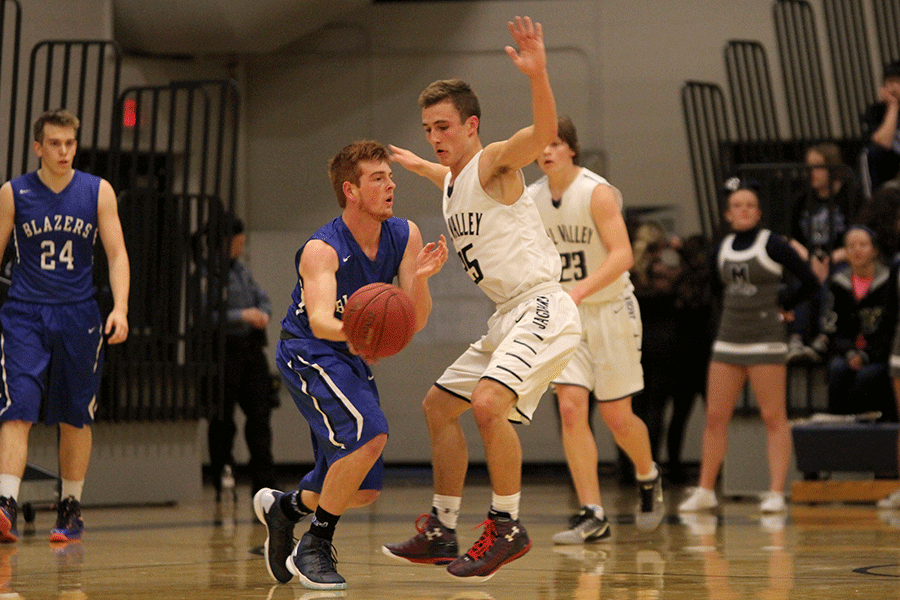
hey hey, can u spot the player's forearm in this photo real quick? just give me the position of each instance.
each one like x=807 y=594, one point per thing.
x=615 y=264
x=543 y=105
x=422 y=301
x=120 y=282
x=884 y=135
x=434 y=172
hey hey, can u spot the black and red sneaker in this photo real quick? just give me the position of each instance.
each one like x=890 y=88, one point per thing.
x=504 y=540
x=433 y=545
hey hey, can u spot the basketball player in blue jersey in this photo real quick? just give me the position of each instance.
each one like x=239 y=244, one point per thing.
x=331 y=385
x=583 y=215
x=501 y=242
x=51 y=326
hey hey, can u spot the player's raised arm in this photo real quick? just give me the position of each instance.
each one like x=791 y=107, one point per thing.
x=434 y=172
x=526 y=144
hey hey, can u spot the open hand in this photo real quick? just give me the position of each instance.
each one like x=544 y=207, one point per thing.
x=531 y=57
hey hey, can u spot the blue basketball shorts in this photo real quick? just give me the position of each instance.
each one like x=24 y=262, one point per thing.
x=337 y=396
x=54 y=350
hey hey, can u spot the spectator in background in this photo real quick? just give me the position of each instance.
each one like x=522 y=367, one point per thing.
x=881 y=214
x=860 y=321
x=821 y=213
x=672 y=284
x=248 y=380
x=882 y=154
x=750 y=344
x=657 y=266
x=695 y=329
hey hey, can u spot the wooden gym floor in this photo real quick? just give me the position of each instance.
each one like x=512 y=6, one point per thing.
x=202 y=550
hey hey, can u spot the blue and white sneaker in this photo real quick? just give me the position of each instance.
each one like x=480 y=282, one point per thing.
x=314 y=561
x=279 y=533
x=69 y=525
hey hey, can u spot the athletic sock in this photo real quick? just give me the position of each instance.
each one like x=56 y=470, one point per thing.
x=446 y=509
x=9 y=486
x=292 y=506
x=71 y=488
x=506 y=504
x=598 y=510
x=323 y=524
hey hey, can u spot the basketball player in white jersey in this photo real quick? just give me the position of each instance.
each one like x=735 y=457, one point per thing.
x=583 y=216
x=501 y=242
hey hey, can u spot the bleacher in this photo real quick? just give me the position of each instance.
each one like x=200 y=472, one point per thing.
x=170 y=152
x=734 y=128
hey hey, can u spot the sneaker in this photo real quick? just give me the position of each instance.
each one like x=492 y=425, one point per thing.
x=69 y=525
x=699 y=499
x=799 y=353
x=583 y=527
x=313 y=561
x=700 y=524
x=279 y=533
x=820 y=345
x=651 y=509
x=892 y=501
x=503 y=540
x=773 y=523
x=9 y=510
x=772 y=502
x=433 y=545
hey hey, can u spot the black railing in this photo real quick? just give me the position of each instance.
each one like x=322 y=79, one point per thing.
x=10 y=40
x=171 y=153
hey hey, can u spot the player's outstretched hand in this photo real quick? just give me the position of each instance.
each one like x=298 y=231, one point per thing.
x=431 y=258
x=116 y=328
x=531 y=57
x=405 y=158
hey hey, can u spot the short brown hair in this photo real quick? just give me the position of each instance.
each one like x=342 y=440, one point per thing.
x=345 y=164
x=566 y=132
x=457 y=92
x=60 y=117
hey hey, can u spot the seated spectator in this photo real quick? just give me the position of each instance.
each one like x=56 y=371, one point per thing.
x=860 y=323
x=882 y=154
x=828 y=202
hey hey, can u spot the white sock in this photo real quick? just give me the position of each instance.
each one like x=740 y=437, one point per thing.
x=507 y=504
x=71 y=488
x=649 y=476
x=447 y=508
x=598 y=510
x=9 y=486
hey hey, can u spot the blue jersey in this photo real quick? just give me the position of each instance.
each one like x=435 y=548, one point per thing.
x=54 y=238
x=355 y=269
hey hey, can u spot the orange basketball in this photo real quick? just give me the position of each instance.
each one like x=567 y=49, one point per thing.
x=379 y=320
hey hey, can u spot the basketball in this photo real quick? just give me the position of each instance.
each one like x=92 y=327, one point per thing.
x=379 y=320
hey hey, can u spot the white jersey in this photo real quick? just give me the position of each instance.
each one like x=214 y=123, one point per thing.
x=571 y=226
x=504 y=249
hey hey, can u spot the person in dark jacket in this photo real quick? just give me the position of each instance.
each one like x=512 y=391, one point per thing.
x=859 y=320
